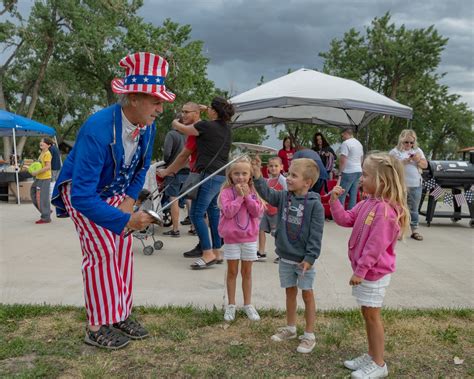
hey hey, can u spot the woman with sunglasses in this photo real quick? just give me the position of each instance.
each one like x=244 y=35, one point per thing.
x=413 y=160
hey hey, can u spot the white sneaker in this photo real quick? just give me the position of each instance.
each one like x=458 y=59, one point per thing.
x=358 y=362
x=370 y=371
x=229 y=314
x=251 y=312
x=283 y=335
x=306 y=345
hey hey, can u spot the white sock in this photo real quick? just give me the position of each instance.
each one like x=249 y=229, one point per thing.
x=291 y=328
x=310 y=336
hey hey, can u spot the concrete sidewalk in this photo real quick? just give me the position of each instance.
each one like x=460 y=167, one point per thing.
x=42 y=264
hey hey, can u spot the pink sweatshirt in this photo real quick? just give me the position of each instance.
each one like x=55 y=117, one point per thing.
x=374 y=235
x=240 y=217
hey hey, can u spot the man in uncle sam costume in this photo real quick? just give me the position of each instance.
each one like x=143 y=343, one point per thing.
x=97 y=187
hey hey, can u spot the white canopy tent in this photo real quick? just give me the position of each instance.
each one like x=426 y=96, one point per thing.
x=311 y=97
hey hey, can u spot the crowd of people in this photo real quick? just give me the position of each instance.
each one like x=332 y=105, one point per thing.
x=232 y=211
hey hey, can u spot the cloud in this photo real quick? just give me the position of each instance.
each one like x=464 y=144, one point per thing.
x=247 y=39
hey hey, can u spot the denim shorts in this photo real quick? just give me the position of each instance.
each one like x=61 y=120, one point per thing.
x=269 y=223
x=173 y=184
x=371 y=293
x=291 y=275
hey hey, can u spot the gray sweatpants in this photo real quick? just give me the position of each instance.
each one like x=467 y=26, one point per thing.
x=40 y=197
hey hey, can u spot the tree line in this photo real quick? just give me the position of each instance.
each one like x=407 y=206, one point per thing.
x=61 y=60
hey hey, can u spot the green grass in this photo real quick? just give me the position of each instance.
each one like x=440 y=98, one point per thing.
x=47 y=342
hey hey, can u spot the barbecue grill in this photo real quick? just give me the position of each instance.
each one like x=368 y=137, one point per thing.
x=455 y=175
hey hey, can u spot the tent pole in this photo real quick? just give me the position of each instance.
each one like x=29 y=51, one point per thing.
x=16 y=168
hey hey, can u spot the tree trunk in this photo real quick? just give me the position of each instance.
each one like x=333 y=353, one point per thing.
x=20 y=145
x=39 y=79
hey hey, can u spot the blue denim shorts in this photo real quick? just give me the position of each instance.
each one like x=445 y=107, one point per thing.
x=173 y=184
x=292 y=275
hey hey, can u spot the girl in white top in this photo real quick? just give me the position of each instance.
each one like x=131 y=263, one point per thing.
x=413 y=159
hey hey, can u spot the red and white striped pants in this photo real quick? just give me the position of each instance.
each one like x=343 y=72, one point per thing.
x=107 y=266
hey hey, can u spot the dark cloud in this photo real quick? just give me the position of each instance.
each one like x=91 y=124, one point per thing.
x=249 y=38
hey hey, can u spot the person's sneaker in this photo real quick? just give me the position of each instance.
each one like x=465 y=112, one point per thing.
x=131 y=329
x=306 y=345
x=186 y=221
x=284 y=334
x=370 y=371
x=42 y=222
x=195 y=252
x=276 y=260
x=106 y=338
x=229 y=314
x=261 y=257
x=171 y=233
x=251 y=312
x=358 y=362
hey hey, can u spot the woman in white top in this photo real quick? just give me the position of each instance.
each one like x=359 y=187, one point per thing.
x=413 y=159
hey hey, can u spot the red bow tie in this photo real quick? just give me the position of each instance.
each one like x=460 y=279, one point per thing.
x=135 y=132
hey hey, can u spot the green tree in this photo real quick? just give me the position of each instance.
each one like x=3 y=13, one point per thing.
x=62 y=64
x=402 y=64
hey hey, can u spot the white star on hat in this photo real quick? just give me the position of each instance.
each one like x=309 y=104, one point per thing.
x=134 y=80
x=145 y=79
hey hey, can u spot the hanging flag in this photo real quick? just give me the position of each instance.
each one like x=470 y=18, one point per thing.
x=448 y=198
x=460 y=200
x=437 y=192
x=431 y=183
x=469 y=195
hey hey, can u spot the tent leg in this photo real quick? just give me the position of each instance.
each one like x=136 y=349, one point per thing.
x=16 y=169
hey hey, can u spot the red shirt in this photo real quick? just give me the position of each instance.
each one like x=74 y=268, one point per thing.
x=191 y=145
x=286 y=156
x=274 y=184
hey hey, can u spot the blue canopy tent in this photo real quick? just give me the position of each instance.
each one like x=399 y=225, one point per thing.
x=13 y=125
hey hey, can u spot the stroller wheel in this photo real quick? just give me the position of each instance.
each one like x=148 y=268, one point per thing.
x=158 y=245
x=167 y=219
x=148 y=250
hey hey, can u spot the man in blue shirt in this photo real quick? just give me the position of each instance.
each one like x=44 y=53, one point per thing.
x=98 y=186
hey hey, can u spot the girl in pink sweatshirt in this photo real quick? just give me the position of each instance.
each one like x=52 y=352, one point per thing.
x=241 y=209
x=377 y=224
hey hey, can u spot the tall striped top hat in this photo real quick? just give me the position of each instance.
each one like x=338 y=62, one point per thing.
x=144 y=73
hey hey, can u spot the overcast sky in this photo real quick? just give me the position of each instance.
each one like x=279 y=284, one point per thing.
x=246 y=39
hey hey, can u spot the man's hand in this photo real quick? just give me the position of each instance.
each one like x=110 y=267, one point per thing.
x=127 y=205
x=139 y=220
x=256 y=167
x=336 y=192
x=162 y=172
x=355 y=280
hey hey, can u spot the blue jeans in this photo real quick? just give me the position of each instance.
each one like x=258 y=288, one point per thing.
x=206 y=201
x=350 y=183
x=413 y=202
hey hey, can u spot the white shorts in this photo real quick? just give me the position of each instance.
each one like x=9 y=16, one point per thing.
x=246 y=251
x=371 y=293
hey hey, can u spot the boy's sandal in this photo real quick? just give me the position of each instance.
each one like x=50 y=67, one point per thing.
x=106 y=338
x=417 y=236
x=200 y=264
x=219 y=261
x=131 y=329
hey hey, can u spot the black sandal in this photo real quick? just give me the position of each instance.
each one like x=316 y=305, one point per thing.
x=131 y=329
x=106 y=338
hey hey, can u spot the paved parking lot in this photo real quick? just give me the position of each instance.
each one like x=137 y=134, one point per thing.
x=42 y=264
